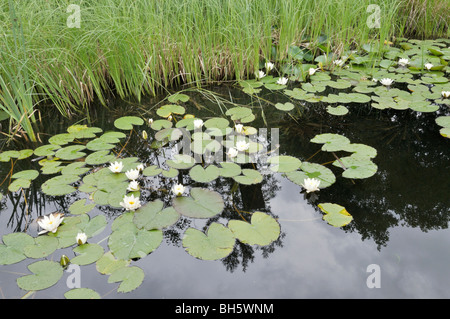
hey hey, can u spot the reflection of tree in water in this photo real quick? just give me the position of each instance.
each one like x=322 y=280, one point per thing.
x=411 y=185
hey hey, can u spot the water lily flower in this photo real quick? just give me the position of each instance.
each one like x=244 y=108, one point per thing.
x=269 y=66
x=81 y=238
x=130 y=202
x=198 y=123
x=260 y=74
x=133 y=186
x=116 y=167
x=374 y=80
x=242 y=146
x=178 y=189
x=428 y=66
x=169 y=118
x=445 y=94
x=386 y=81
x=403 y=62
x=239 y=128
x=338 y=62
x=132 y=174
x=232 y=152
x=140 y=167
x=311 y=71
x=150 y=122
x=50 y=223
x=282 y=81
x=311 y=184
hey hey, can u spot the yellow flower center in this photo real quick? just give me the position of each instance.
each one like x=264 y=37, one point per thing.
x=131 y=203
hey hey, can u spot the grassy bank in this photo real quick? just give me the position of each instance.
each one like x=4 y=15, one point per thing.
x=134 y=48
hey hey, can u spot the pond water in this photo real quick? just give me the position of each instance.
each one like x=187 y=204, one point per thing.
x=400 y=214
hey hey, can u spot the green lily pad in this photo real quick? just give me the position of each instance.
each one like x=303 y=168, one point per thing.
x=181 y=161
x=285 y=106
x=71 y=152
x=81 y=293
x=169 y=109
x=151 y=170
x=312 y=170
x=284 y=163
x=249 y=176
x=46 y=150
x=127 y=241
x=160 y=124
x=216 y=244
x=76 y=168
x=61 y=139
x=357 y=167
x=238 y=113
x=129 y=277
x=87 y=254
x=204 y=175
x=19 y=183
x=174 y=98
x=83 y=131
x=153 y=216
x=262 y=230
x=335 y=215
x=79 y=207
x=126 y=122
x=100 y=157
x=229 y=169
x=12 y=249
x=108 y=263
x=60 y=185
x=99 y=144
x=203 y=203
x=42 y=247
x=45 y=274
x=332 y=142
x=338 y=110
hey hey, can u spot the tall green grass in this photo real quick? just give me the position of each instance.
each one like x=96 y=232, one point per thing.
x=140 y=47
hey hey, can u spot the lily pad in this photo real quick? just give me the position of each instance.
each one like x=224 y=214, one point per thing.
x=338 y=110
x=42 y=247
x=335 y=215
x=12 y=249
x=87 y=254
x=204 y=175
x=262 y=230
x=45 y=274
x=71 y=152
x=129 y=277
x=79 y=207
x=332 y=142
x=153 y=216
x=126 y=122
x=284 y=163
x=216 y=244
x=203 y=203
x=249 y=176
x=108 y=263
x=18 y=184
x=169 y=109
x=285 y=106
x=82 y=293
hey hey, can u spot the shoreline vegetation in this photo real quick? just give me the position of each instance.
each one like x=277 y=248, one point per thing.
x=131 y=49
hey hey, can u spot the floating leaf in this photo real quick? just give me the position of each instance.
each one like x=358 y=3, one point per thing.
x=204 y=175
x=335 y=215
x=108 y=263
x=202 y=203
x=169 y=109
x=127 y=241
x=60 y=185
x=356 y=167
x=262 y=230
x=181 y=161
x=312 y=170
x=99 y=157
x=42 y=247
x=61 y=139
x=76 y=168
x=152 y=170
x=285 y=106
x=18 y=184
x=99 y=144
x=45 y=274
x=79 y=207
x=71 y=152
x=338 y=110
x=216 y=244
x=174 y=98
x=83 y=131
x=332 y=142
x=238 y=113
x=82 y=293
x=249 y=176
x=284 y=163
x=126 y=122
x=130 y=278
x=228 y=169
x=46 y=150
x=87 y=254
x=12 y=250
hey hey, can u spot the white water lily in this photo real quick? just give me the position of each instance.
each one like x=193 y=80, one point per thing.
x=239 y=128
x=50 y=223
x=282 y=81
x=311 y=71
x=150 y=122
x=133 y=186
x=403 y=62
x=386 y=81
x=311 y=184
x=232 y=152
x=269 y=66
x=81 y=238
x=260 y=74
x=198 y=123
x=445 y=94
x=116 y=167
x=428 y=66
x=140 y=167
x=338 y=62
x=242 y=146
x=130 y=202
x=374 y=80
x=178 y=189
x=132 y=174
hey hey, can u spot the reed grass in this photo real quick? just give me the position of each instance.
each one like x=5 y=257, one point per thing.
x=135 y=48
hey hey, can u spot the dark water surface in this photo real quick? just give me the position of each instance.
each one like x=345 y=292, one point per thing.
x=400 y=218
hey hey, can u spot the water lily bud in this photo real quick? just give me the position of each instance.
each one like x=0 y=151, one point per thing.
x=269 y=66
x=428 y=66
x=144 y=135
x=150 y=122
x=64 y=261
x=81 y=238
x=238 y=128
